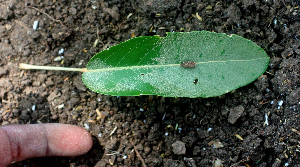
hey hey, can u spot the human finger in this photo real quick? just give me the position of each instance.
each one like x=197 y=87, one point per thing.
x=19 y=142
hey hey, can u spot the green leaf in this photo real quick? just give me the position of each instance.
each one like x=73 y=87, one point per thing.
x=189 y=64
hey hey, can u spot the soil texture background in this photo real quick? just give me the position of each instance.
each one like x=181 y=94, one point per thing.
x=256 y=125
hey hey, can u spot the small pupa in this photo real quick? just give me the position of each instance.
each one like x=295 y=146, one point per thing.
x=188 y=64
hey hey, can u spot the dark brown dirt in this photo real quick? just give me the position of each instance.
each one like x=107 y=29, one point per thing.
x=256 y=125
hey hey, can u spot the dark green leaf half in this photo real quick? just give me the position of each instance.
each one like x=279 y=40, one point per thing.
x=183 y=64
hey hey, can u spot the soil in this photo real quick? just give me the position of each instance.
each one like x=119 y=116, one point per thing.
x=256 y=125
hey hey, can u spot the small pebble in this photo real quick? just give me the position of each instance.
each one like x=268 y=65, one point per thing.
x=59 y=58
x=60 y=106
x=35 y=24
x=61 y=51
x=33 y=108
x=280 y=104
x=100 y=135
x=86 y=126
x=164 y=116
x=266 y=119
x=179 y=148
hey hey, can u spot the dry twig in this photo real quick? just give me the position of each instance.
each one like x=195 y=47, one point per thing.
x=99 y=37
x=139 y=155
x=59 y=21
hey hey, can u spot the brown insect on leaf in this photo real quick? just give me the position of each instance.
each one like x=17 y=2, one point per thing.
x=188 y=64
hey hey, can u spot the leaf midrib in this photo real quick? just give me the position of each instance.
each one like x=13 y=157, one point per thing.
x=164 y=65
